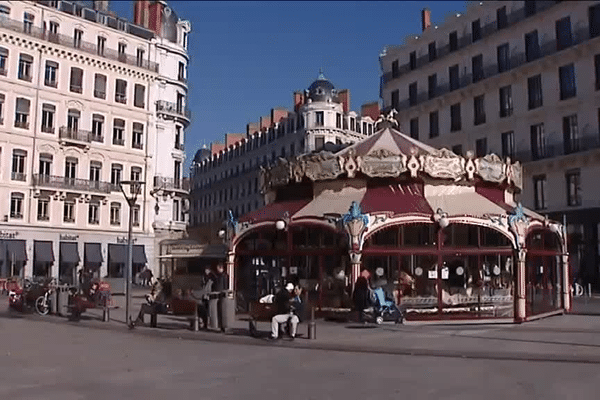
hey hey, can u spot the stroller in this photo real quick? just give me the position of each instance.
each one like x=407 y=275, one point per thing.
x=384 y=309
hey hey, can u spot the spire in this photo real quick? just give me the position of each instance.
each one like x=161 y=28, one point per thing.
x=321 y=76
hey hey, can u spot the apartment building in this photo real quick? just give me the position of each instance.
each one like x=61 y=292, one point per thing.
x=520 y=79
x=84 y=104
x=226 y=176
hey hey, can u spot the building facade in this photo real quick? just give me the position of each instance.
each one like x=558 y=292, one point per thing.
x=226 y=175
x=80 y=112
x=520 y=79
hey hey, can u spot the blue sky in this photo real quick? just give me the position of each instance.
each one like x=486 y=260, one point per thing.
x=249 y=57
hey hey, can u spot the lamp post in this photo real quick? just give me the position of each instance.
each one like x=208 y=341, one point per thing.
x=135 y=188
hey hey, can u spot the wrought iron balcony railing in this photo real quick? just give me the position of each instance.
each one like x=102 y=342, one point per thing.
x=62 y=182
x=172 y=108
x=75 y=134
x=162 y=182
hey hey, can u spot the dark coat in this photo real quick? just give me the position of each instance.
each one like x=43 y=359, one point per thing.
x=221 y=282
x=360 y=297
x=282 y=302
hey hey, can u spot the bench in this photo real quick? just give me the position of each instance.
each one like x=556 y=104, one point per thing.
x=262 y=312
x=177 y=307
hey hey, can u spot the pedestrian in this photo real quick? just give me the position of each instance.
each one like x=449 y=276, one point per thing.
x=149 y=275
x=221 y=279
x=284 y=307
x=361 y=296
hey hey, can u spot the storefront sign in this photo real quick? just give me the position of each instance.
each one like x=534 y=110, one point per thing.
x=66 y=237
x=123 y=240
x=8 y=234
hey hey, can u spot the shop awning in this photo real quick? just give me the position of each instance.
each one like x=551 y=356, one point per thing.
x=463 y=201
x=93 y=253
x=15 y=250
x=69 y=253
x=274 y=211
x=117 y=253
x=396 y=199
x=187 y=249
x=42 y=252
x=139 y=255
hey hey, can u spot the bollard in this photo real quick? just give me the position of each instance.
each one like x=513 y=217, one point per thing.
x=312 y=325
x=589 y=290
x=105 y=314
x=195 y=326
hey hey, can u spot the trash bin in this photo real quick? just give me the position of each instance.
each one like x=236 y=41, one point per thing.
x=226 y=310
x=213 y=310
x=62 y=300
x=54 y=302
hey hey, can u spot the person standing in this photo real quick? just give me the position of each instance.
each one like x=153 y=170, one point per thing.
x=360 y=297
x=221 y=280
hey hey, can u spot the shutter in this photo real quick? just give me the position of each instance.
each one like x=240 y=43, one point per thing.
x=138 y=127
x=100 y=83
x=74 y=113
x=22 y=105
x=48 y=107
x=51 y=64
x=26 y=57
x=98 y=117
x=119 y=123
x=2 y=97
x=45 y=157
x=3 y=52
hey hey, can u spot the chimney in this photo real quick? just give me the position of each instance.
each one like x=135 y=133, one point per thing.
x=344 y=98
x=298 y=100
x=101 y=5
x=425 y=18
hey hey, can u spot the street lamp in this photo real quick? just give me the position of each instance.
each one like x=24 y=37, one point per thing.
x=135 y=188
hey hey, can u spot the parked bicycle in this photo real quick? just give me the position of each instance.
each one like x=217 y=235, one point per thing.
x=44 y=302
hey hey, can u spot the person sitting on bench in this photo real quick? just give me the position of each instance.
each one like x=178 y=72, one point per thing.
x=156 y=302
x=284 y=307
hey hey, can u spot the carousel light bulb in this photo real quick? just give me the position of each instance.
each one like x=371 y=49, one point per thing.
x=222 y=233
x=280 y=225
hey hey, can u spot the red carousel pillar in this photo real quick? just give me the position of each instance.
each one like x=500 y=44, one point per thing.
x=521 y=314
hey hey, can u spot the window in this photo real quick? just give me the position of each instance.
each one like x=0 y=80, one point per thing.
x=529 y=8
x=414 y=128
x=97 y=127
x=122 y=48
x=22 y=113
x=48 y=111
x=319 y=143
x=2 y=98
x=457 y=149
x=70 y=170
x=77 y=37
x=481 y=147
x=16 y=205
x=100 y=86
x=94 y=213
x=564 y=37
x=594 y=20
x=508 y=144
x=115 y=213
x=453 y=73
x=45 y=167
x=118 y=132
x=135 y=211
x=177 y=172
x=136 y=174
x=51 y=74
x=176 y=210
x=4 y=11
x=73 y=116
x=53 y=31
x=395 y=71
x=453 y=38
x=178 y=137
x=139 y=96
x=538 y=141
x=455 y=123
x=570 y=134
x=43 y=206
x=566 y=76
x=506 y=105
x=28 y=22
x=121 y=91
x=597 y=70
x=412 y=93
x=95 y=171
x=319 y=118
x=479 y=110
x=432 y=51
x=18 y=165
x=25 y=66
x=534 y=89
x=181 y=72
x=338 y=120
x=69 y=211
x=351 y=124
x=100 y=45
x=477 y=66
x=475 y=30
x=115 y=175
x=413 y=60
x=532 y=46
x=180 y=103
x=503 y=58
x=395 y=99
x=432 y=85
x=501 y=18
x=539 y=187
x=434 y=124
x=3 y=60
x=76 y=85
x=573 y=179
x=137 y=136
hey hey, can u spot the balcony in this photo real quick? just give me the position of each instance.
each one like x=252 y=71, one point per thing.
x=18 y=176
x=173 y=110
x=22 y=124
x=137 y=145
x=99 y=94
x=70 y=42
x=43 y=218
x=75 y=136
x=48 y=129
x=3 y=71
x=179 y=146
x=24 y=77
x=53 y=84
x=121 y=98
x=119 y=142
x=76 y=88
x=162 y=182
x=64 y=183
x=572 y=146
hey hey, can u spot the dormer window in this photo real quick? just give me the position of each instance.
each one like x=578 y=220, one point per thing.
x=319 y=91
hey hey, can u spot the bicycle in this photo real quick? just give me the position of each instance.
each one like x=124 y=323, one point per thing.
x=43 y=303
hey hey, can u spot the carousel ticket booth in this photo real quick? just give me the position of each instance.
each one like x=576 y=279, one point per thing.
x=442 y=234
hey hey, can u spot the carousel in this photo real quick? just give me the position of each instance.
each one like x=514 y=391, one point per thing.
x=442 y=234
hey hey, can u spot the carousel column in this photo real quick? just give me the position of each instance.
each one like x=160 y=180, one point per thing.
x=566 y=285
x=55 y=266
x=231 y=268
x=355 y=263
x=521 y=314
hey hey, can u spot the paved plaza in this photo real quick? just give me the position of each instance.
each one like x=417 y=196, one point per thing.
x=52 y=358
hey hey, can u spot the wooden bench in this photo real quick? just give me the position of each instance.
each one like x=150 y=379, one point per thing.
x=261 y=312
x=177 y=307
